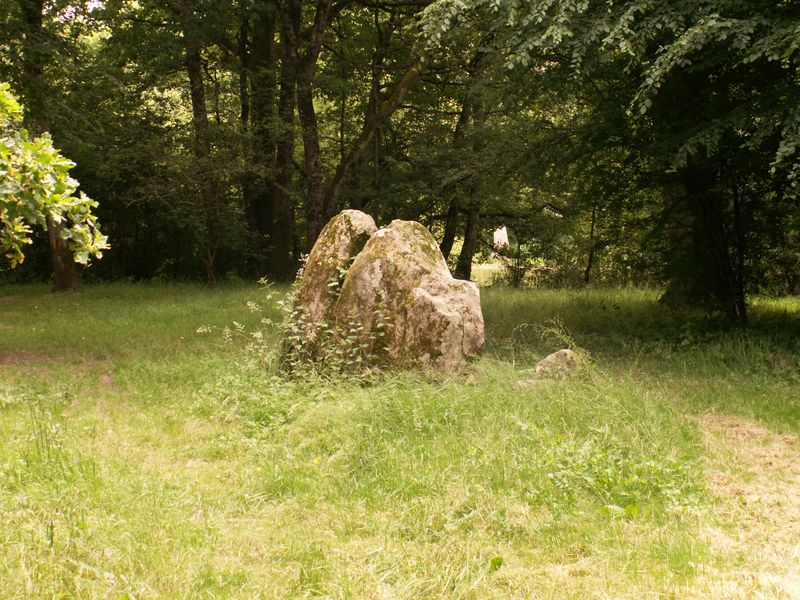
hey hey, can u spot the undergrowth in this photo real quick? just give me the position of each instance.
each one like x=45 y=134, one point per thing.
x=294 y=345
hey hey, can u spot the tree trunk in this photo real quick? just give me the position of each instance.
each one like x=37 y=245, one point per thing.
x=587 y=273
x=283 y=215
x=34 y=57
x=247 y=178
x=194 y=71
x=741 y=250
x=450 y=228
x=680 y=290
x=202 y=143
x=65 y=275
x=304 y=64
x=262 y=115
x=701 y=273
x=713 y=254
x=472 y=230
x=244 y=67
x=316 y=211
x=451 y=225
x=474 y=104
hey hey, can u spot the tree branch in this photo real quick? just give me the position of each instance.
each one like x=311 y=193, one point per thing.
x=361 y=144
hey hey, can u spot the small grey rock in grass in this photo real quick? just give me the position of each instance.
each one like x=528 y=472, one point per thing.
x=559 y=364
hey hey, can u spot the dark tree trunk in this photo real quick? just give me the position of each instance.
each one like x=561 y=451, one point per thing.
x=472 y=229
x=202 y=142
x=65 y=275
x=317 y=214
x=471 y=232
x=305 y=63
x=194 y=71
x=34 y=57
x=680 y=290
x=451 y=224
x=450 y=228
x=283 y=215
x=587 y=273
x=247 y=178
x=262 y=116
x=713 y=254
x=741 y=250
x=701 y=272
x=244 y=67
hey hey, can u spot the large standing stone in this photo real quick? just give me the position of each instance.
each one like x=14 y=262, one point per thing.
x=401 y=277
x=338 y=243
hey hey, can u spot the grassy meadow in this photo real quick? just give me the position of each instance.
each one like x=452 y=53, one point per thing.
x=140 y=458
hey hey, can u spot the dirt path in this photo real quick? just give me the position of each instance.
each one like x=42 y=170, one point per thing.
x=755 y=474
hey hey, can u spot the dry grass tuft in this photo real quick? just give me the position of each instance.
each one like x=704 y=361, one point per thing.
x=755 y=474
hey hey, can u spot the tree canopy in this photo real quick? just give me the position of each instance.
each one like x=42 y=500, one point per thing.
x=621 y=141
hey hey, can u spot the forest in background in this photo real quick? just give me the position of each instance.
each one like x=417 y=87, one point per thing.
x=621 y=142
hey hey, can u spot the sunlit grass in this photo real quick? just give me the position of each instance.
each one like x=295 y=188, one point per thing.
x=140 y=457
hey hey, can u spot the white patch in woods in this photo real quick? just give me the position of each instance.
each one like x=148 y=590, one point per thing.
x=500 y=238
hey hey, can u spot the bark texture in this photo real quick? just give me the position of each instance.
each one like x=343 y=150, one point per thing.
x=35 y=56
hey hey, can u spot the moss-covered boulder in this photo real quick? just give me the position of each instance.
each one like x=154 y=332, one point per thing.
x=412 y=311
x=338 y=244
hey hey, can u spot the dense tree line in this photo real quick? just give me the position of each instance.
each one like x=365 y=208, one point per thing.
x=622 y=141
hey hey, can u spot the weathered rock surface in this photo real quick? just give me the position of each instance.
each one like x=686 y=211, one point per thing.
x=401 y=279
x=338 y=243
x=558 y=364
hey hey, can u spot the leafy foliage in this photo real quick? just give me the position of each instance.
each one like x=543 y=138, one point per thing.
x=617 y=478
x=293 y=344
x=37 y=190
x=621 y=141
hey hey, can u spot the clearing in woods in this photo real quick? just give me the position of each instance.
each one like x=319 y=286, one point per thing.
x=141 y=458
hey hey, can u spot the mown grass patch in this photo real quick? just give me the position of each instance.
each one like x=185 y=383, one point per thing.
x=141 y=458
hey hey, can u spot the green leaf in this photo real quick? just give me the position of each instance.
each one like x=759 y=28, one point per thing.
x=495 y=563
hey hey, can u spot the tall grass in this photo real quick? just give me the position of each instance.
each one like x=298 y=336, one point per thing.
x=139 y=458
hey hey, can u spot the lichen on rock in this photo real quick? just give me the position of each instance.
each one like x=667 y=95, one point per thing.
x=434 y=320
x=558 y=365
x=339 y=242
x=395 y=303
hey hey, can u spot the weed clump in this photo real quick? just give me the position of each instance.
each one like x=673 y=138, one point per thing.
x=295 y=345
x=623 y=482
